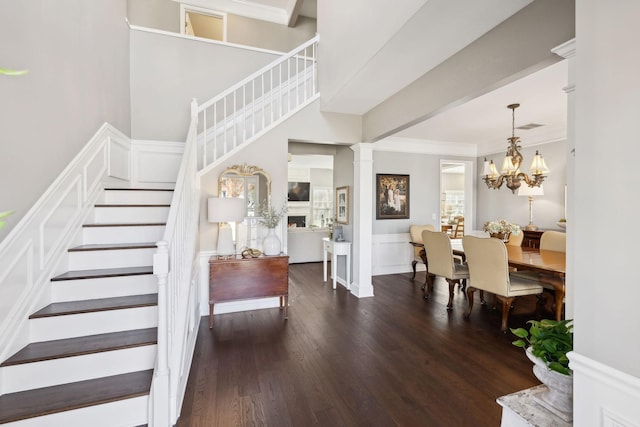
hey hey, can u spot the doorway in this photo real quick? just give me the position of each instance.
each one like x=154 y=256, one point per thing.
x=456 y=192
x=204 y=23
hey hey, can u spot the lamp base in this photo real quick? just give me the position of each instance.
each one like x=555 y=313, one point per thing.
x=531 y=227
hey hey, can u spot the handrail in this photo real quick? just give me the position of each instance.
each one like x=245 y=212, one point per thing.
x=260 y=72
x=244 y=111
x=172 y=264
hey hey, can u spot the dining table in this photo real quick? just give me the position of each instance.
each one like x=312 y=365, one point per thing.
x=548 y=266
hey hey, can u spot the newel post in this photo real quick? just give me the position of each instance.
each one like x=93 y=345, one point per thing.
x=160 y=413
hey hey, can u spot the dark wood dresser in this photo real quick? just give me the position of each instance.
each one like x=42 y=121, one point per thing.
x=241 y=279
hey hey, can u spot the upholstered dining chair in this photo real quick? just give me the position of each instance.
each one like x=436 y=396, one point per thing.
x=553 y=241
x=489 y=271
x=440 y=262
x=516 y=239
x=415 y=232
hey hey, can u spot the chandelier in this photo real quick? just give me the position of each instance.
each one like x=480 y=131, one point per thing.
x=510 y=172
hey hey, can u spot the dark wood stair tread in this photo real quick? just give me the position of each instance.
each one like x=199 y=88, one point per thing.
x=128 y=224
x=137 y=189
x=65 y=397
x=112 y=246
x=131 y=205
x=103 y=273
x=94 y=305
x=69 y=347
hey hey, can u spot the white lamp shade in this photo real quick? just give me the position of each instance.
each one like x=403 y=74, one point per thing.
x=525 y=190
x=225 y=209
x=538 y=165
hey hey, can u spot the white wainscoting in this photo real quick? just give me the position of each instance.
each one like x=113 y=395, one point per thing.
x=603 y=396
x=36 y=248
x=392 y=254
x=155 y=163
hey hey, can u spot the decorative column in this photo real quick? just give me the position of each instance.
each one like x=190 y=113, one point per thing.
x=363 y=219
x=568 y=50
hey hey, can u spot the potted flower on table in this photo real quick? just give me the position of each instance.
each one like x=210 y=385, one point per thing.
x=501 y=229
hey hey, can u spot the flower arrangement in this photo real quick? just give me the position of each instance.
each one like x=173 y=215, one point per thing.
x=501 y=227
x=269 y=216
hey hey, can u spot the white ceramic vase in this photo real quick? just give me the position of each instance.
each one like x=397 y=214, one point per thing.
x=558 y=397
x=271 y=243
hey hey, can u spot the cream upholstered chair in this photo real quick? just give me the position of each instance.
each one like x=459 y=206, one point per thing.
x=516 y=239
x=553 y=241
x=415 y=231
x=440 y=262
x=489 y=271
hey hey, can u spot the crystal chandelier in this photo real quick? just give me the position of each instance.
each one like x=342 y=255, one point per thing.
x=510 y=172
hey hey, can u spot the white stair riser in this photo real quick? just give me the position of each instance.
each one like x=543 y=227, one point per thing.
x=79 y=368
x=131 y=214
x=128 y=412
x=107 y=287
x=117 y=258
x=137 y=197
x=122 y=234
x=76 y=325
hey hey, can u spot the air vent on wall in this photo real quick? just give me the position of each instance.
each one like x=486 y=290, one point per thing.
x=529 y=126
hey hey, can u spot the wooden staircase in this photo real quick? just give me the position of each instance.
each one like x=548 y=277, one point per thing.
x=91 y=352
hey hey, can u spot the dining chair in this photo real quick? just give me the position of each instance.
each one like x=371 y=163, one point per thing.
x=415 y=232
x=440 y=262
x=489 y=271
x=458 y=228
x=553 y=241
x=516 y=239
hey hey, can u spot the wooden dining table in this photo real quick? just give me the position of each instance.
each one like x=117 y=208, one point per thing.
x=549 y=266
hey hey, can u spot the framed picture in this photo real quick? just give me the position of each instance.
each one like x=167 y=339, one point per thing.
x=342 y=205
x=392 y=196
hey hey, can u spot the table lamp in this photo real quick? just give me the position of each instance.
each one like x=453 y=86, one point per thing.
x=224 y=210
x=525 y=190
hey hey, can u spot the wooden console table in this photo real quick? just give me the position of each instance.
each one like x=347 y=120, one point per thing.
x=241 y=279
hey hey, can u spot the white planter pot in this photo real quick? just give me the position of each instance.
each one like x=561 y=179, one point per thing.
x=271 y=243
x=558 y=397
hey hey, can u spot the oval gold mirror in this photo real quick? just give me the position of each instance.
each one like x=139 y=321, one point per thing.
x=247 y=182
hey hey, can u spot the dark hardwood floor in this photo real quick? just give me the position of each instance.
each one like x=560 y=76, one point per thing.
x=391 y=360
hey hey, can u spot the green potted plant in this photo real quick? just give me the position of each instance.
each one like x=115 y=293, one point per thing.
x=547 y=343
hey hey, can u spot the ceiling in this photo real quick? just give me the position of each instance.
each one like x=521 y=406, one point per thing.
x=486 y=121
x=483 y=122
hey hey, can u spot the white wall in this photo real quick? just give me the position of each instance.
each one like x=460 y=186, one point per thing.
x=158 y=14
x=78 y=61
x=606 y=294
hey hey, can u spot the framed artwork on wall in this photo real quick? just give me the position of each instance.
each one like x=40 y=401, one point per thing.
x=392 y=196
x=342 y=205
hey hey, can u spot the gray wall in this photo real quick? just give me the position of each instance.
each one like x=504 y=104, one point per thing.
x=424 y=188
x=157 y=14
x=547 y=209
x=165 y=15
x=267 y=35
x=167 y=72
x=77 y=55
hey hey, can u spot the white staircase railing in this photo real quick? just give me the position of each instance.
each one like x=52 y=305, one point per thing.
x=218 y=127
x=173 y=264
x=254 y=105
